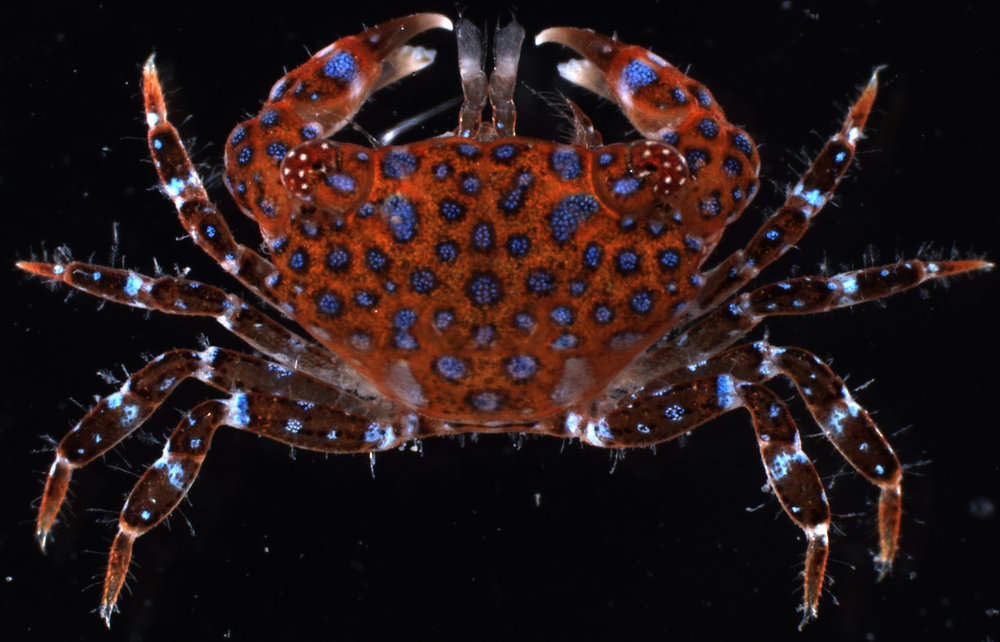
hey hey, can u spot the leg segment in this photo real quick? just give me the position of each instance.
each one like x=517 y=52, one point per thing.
x=118 y=415
x=846 y=424
x=658 y=415
x=174 y=295
x=783 y=230
x=307 y=425
x=730 y=322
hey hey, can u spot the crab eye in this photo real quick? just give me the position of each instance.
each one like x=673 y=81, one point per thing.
x=660 y=166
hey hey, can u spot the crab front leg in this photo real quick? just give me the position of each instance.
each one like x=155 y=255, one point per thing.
x=805 y=200
x=118 y=415
x=300 y=424
x=660 y=414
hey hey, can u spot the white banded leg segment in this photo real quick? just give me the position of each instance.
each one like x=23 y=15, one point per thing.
x=656 y=415
x=301 y=424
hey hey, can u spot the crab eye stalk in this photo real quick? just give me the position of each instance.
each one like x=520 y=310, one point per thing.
x=660 y=167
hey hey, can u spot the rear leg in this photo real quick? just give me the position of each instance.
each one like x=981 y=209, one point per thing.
x=846 y=424
x=118 y=415
x=306 y=425
x=660 y=414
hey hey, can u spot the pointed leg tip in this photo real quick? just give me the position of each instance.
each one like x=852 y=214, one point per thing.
x=42 y=538
x=49 y=270
x=882 y=568
x=809 y=613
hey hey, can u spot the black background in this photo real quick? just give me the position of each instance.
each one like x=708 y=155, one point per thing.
x=452 y=544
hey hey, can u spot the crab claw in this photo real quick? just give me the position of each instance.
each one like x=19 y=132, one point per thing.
x=655 y=96
x=704 y=163
x=332 y=85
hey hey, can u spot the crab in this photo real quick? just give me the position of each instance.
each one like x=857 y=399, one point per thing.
x=484 y=282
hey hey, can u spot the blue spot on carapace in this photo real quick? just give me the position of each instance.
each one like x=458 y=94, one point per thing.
x=278 y=92
x=451 y=211
x=482 y=236
x=269 y=118
x=398 y=164
x=562 y=315
x=447 y=251
x=451 y=368
x=484 y=289
x=441 y=171
x=366 y=298
x=238 y=135
x=603 y=314
x=565 y=342
x=341 y=67
x=577 y=287
x=604 y=159
x=401 y=218
x=568 y=213
x=641 y=302
x=592 y=255
x=343 y=183
x=696 y=159
x=732 y=166
x=405 y=341
x=309 y=132
x=627 y=261
x=541 y=282
x=566 y=162
x=708 y=128
x=468 y=150
x=513 y=200
x=338 y=258
x=329 y=304
x=443 y=319
x=405 y=319
x=522 y=366
x=638 y=74
x=669 y=259
x=524 y=320
x=157 y=143
x=625 y=186
x=504 y=152
x=277 y=150
x=471 y=184
x=518 y=245
x=710 y=206
x=298 y=260
x=679 y=96
x=243 y=158
x=423 y=281
x=486 y=401
x=366 y=210
x=376 y=259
